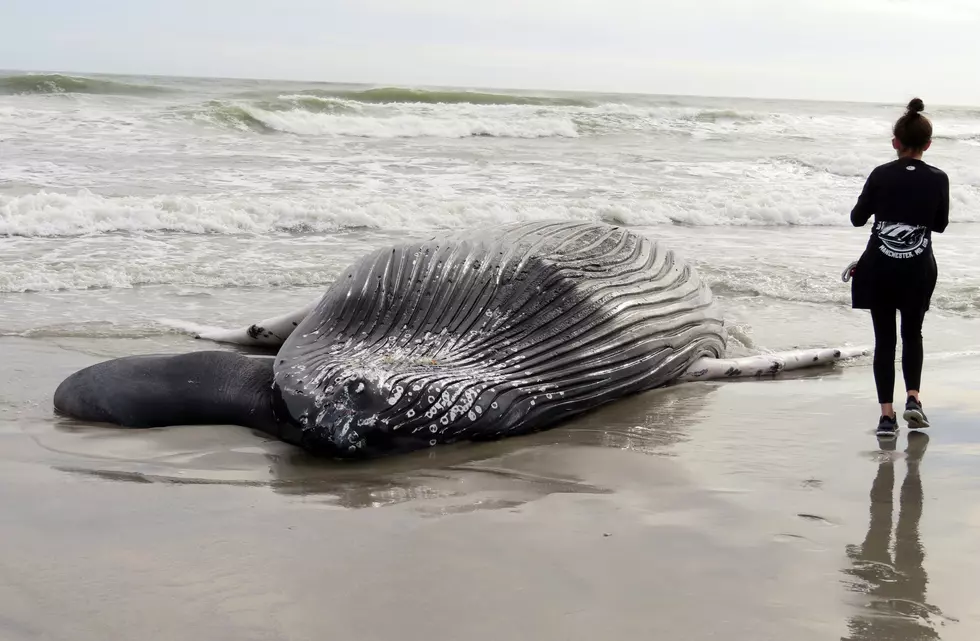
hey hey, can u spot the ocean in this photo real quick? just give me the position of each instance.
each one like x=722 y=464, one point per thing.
x=134 y=208
x=130 y=205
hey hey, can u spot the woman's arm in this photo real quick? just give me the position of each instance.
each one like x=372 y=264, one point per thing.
x=942 y=216
x=865 y=205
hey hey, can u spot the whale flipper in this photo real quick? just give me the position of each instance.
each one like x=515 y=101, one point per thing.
x=207 y=387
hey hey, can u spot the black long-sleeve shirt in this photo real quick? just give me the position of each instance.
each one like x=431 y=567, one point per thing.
x=909 y=200
x=906 y=191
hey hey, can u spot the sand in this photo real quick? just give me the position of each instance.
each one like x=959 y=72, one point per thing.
x=741 y=510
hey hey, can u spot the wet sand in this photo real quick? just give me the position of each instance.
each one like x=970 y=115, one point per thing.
x=743 y=510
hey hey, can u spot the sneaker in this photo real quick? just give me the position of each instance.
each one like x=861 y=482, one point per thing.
x=887 y=427
x=914 y=415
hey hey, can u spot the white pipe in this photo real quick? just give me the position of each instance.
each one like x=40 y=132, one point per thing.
x=269 y=332
x=762 y=364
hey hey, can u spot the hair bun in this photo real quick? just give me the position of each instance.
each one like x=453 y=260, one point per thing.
x=916 y=106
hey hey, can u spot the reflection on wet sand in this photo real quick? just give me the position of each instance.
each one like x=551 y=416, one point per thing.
x=893 y=578
x=464 y=476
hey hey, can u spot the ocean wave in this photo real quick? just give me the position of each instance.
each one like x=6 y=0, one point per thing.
x=55 y=83
x=316 y=104
x=51 y=214
x=702 y=122
x=818 y=288
x=389 y=95
x=156 y=271
x=858 y=165
x=240 y=114
x=294 y=270
x=844 y=164
x=966 y=138
x=313 y=115
x=93 y=329
x=322 y=119
x=722 y=115
x=231 y=116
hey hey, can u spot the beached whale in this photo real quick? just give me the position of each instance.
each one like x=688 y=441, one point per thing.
x=479 y=335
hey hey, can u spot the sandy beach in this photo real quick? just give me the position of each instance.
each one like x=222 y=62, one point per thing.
x=746 y=510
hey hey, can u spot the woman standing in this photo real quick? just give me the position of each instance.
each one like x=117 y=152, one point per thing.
x=897 y=272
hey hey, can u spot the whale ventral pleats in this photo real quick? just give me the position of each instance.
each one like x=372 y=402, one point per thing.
x=489 y=333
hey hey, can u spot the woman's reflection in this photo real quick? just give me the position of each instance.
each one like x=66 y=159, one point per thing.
x=893 y=579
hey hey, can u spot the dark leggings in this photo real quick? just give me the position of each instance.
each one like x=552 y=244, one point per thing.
x=885 y=339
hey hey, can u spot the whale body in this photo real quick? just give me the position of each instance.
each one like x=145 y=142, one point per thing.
x=483 y=334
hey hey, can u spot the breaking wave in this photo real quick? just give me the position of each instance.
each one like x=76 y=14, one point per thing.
x=964 y=179
x=309 y=116
x=383 y=95
x=721 y=115
x=968 y=138
x=48 y=278
x=92 y=329
x=48 y=214
x=341 y=114
x=55 y=83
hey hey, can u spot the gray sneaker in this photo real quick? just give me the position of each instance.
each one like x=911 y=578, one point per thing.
x=887 y=427
x=914 y=416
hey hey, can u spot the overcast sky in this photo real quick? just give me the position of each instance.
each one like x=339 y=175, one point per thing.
x=879 y=50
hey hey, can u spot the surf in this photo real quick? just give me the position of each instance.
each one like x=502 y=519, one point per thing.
x=56 y=83
x=402 y=95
